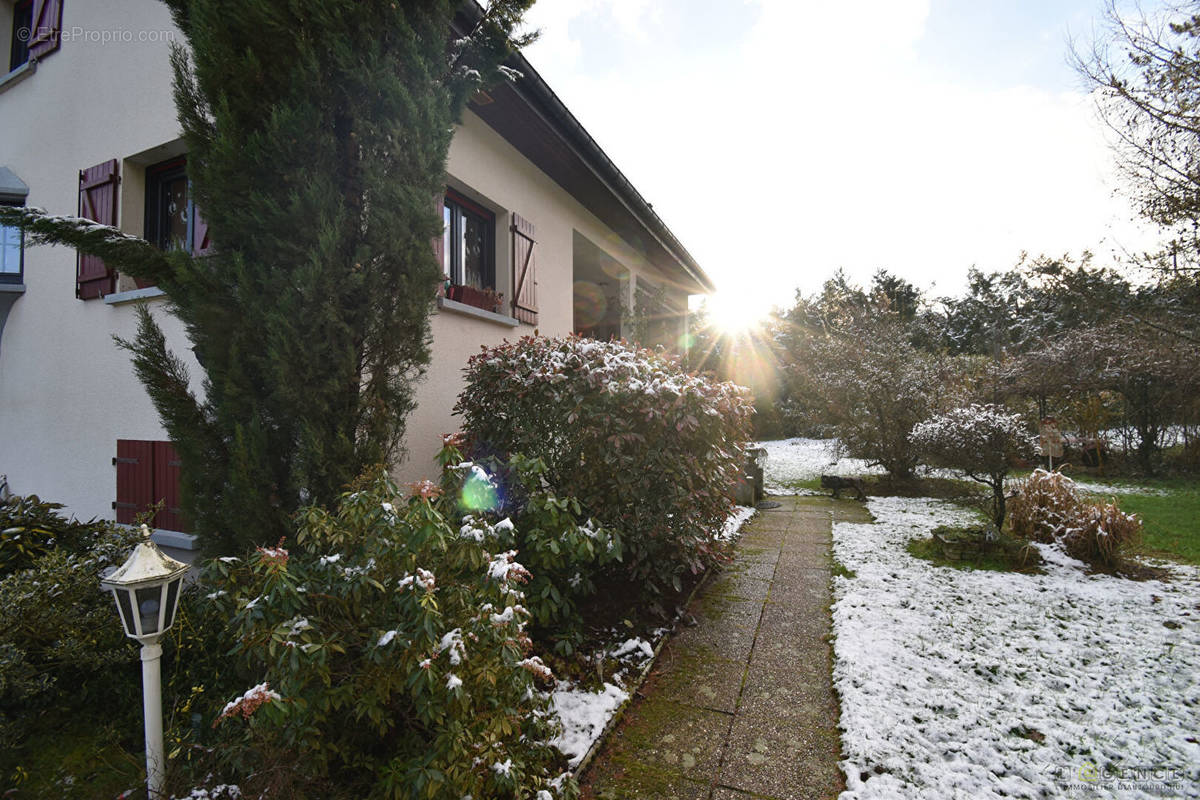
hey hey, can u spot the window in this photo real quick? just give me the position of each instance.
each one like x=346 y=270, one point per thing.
x=170 y=216
x=22 y=24
x=11 y=255
x=468 y=243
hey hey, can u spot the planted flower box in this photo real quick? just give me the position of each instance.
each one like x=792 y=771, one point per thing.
x=487 y=299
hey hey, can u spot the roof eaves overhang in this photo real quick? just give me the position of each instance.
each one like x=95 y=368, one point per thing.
x=530 y=99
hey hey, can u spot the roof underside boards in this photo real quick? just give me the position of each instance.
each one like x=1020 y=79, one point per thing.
x=528 y=114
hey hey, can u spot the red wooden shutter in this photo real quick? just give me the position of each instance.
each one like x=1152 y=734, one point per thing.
x=524 y=301
x=98 y=202
x=166 y=487
x=135 y=478
x=47 y=27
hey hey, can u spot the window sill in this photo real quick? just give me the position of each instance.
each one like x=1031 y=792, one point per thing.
x=17 y=75
x=133 y=295
x=165 y=538
x=446 y=304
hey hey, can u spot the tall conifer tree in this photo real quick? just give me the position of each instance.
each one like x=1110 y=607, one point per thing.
x=317 y=138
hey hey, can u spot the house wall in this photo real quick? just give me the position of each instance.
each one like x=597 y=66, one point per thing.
x=67 y=393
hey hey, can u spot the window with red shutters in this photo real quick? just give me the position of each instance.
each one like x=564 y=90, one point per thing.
x=97 y=202
x=147 y=474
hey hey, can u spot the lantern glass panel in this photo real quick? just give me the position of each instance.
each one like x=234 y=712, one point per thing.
x=172 y=602
x=149 y=602
x=125 y=606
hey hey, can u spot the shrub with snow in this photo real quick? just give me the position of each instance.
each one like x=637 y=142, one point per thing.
x=566 y=552
x=1048 y=509
x=645 y=448
x=981 y=440
x=390 y=655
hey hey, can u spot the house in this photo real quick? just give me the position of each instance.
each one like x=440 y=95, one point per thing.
x=543 y=234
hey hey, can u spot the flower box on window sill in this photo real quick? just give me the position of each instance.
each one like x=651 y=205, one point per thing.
x=487 y=299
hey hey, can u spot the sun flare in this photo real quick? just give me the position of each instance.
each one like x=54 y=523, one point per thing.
x=733 y=312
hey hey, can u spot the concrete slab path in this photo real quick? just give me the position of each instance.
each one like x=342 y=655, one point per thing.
x=742 y=704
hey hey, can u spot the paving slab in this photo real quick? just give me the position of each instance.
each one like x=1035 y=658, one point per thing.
x=741 y=704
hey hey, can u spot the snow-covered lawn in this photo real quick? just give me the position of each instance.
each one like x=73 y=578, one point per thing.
x=979 y=684
x=986 y=684
x=791 y=460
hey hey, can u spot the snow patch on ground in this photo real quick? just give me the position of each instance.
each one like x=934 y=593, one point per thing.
x=583 y=716
x=986 y=685
x=733 y=525
x=1105 y=490
x=800 y=459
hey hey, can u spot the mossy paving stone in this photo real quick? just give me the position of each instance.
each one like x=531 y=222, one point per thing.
x=725 y=793
x=609 y=781
x=672 y=737
x=730 y=635
x=699 y=677
x=792 y=760
x=748 y=553
x=795 y=693
x=753 y=570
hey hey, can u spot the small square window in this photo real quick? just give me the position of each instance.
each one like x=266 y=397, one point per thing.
x=11 y=255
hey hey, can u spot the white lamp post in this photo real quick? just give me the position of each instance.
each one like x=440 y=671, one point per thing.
x=146 y=588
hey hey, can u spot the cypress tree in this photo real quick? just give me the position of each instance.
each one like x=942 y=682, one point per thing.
x=317 y=138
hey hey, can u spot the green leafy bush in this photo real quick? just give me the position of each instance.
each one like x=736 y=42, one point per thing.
x=30 y=527
x=566 y=553
x=60 y=639
x=645 y=448
x=1047 y=508
x=390 y=655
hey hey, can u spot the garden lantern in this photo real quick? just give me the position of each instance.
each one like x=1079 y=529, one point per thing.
x=146 y=588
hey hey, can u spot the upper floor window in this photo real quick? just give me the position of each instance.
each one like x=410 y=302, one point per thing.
x=22 y=27
x=11 y=255
x=36 y=30
x=168 y=208
x=172 y=220
x=468 y=242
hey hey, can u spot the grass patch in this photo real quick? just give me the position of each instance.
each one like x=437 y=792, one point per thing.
x=1170 y=520
x=1005 y=555
x=840 y=570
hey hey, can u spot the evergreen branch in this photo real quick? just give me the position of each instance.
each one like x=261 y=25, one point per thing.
x=131 y=254
x=166 y=379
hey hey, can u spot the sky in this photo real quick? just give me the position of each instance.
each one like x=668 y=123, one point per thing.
x=783 y=139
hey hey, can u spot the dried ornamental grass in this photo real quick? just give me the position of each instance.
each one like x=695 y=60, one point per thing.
x=1048 y=509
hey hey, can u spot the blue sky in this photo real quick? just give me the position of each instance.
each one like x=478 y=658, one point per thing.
x=782 y=139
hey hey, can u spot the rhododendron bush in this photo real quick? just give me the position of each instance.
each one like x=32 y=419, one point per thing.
x=390 y=657
x=645 y=448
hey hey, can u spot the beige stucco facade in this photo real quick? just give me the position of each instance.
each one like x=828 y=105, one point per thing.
x=67 y=393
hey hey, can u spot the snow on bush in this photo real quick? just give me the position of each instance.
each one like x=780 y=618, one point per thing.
x=981 y=440
x=393 y=654
x=646 y=449
x=1048 y=508
x=967 y=683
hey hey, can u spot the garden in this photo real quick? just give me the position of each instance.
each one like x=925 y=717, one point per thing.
x=998 y=680
x=465 y=637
